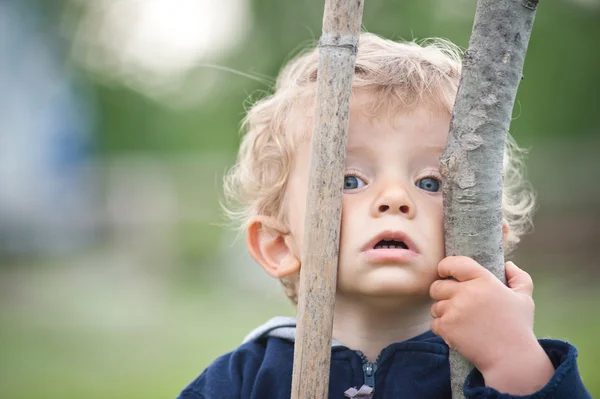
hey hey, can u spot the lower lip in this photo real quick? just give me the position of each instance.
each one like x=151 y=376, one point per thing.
x=382 y=255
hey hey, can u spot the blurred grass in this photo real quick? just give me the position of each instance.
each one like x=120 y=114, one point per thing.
x=68 y=334
x=566 y=309
x=144 y=342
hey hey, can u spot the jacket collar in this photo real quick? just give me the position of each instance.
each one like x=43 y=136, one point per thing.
x=279 y=327
x=285 y=328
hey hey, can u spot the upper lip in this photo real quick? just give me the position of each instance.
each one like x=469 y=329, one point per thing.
x=395 y=235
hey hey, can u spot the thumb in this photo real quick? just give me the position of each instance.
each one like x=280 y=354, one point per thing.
x=518 y=280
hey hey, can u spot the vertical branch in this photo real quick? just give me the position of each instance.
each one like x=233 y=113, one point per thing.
x=318 y=275
x=471 y=166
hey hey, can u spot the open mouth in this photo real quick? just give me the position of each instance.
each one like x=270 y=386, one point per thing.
x=390 y=247
x=390 y=244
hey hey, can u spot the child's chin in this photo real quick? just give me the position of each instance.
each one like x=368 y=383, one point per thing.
x=390 y=287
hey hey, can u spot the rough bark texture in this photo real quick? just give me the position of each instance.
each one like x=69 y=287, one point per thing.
x=318 y=275
x=471 y=166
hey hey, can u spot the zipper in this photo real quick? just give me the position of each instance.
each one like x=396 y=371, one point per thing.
x=369 y=369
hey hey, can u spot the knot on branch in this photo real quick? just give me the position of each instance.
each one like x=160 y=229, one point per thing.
x=471 y=141
x=470 y=58
x=457 y=167
x=348 y=42
x=531 y=4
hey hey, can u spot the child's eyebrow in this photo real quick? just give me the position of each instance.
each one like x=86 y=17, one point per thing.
x=357 y=150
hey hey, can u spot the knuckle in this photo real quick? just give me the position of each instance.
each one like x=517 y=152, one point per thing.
x=464 y=261
x=451 y=318
x=440 y=328
x=530 y=303
x=460 y=305
x=481 y=290
x=447 y=263
x=447 y=259
x=470 y=290
x=528 y=280
x=434 y=326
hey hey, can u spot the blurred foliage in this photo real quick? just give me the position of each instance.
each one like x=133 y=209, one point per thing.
x=557 y=100
x=559 y=96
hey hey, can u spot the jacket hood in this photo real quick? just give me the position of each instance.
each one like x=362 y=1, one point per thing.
x=278 y=327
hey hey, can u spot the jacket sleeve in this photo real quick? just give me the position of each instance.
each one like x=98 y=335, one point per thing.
x=228 y=377
x=194 y=389
x=219 y=380
x=565 y=383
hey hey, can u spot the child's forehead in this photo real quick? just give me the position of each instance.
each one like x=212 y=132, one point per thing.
x=419 y=128
x=366 y=108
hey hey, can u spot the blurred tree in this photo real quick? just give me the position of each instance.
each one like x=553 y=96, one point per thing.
x=558 y=97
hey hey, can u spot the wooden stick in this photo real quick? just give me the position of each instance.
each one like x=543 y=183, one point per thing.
x=337 y=55
x=471 y=166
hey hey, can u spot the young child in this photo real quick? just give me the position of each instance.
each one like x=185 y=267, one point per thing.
x=395 y=314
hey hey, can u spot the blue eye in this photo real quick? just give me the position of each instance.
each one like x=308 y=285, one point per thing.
x=353 y=182
x=429 y=184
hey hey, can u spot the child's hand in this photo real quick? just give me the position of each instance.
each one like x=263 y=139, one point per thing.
x=490 y=324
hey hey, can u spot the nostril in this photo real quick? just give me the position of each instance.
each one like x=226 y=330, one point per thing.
x=404 y=209
x=383 y=208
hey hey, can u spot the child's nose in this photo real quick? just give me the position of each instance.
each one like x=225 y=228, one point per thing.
x=394 y=200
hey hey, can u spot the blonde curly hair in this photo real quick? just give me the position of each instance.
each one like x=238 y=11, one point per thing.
x=398 y=76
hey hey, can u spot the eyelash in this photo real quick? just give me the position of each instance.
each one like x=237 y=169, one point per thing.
x=356 y=173
x=431 y=174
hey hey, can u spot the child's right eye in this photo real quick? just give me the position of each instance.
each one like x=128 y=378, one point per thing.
x=353 y=182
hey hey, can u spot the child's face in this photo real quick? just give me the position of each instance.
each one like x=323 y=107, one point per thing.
x=392 y=191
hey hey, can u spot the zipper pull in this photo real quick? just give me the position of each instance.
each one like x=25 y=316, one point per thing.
x=369 y=370
x=365 y=392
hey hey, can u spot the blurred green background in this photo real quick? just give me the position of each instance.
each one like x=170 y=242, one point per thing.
x=119 y=118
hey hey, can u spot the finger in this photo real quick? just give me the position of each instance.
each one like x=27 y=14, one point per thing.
x=518 y=280
x=443 y=289
x=461 y=268
x=439 y=308
x=435 y=326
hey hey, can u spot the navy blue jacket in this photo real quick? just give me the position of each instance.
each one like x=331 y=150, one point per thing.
x=261 y=368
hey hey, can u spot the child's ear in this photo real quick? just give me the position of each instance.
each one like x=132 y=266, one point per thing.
x=505 y=231
x=270 y=244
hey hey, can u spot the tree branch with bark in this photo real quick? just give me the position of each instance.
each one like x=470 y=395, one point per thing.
x=472 y=165
x=337 y=55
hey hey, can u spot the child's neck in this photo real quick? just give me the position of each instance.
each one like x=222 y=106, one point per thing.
x=370 y=327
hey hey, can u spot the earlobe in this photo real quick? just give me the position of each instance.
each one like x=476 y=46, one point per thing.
x=270 y=244
x=289 y=265
x=505 y=231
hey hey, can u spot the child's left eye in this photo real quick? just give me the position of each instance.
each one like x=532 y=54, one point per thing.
x=430 y=184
